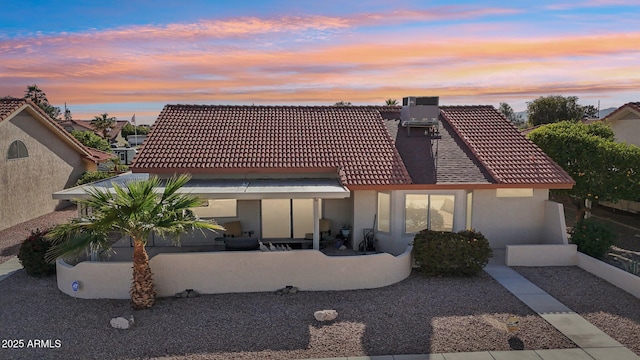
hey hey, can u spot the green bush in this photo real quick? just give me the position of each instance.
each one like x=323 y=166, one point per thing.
x=31 y=254
x=593 y=237
x=442 y=253
x=91 y=176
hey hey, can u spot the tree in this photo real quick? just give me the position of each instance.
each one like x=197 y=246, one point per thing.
x=554 y=108
x=342 y=103
x=90 y=139
x=35 y=94
x=103 y=124
x=136 y=209
x=508 y=112
x=590 y=111
x=129 y=129
x=603 y=169
x=391 y=102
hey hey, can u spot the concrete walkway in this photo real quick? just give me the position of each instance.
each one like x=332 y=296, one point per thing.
x=593 y=344
x=9 y=267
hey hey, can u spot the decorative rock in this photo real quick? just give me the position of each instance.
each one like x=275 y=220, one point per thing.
x=122 y=323
x=325 y=315
x=188 y=293
x=287 y=290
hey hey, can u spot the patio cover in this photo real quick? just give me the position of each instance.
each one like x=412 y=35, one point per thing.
x=241 y=189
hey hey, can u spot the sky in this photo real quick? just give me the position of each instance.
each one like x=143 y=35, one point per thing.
x=133 y=57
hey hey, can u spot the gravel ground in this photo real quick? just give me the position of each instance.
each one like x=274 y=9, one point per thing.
x=11 y=238
x=606 y=306
x=417 y=315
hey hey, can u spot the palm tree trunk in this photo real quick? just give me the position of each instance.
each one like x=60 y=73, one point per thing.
x=143 y=292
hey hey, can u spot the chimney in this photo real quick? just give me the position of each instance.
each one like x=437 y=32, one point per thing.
x=420 y=108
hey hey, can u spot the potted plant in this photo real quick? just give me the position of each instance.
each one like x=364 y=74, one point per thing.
x=345 y=230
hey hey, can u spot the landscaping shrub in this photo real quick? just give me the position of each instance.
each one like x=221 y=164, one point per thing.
x=91 y=176
x=31 y=254
x=593 y=237
x=443 y=253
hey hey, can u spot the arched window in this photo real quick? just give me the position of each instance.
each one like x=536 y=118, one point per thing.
x=17 y=150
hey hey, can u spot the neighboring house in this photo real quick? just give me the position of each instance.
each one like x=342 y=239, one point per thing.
x=38 y=158
x=279 y=169
x=125 y=154
x=625 y=123
x=114 y=136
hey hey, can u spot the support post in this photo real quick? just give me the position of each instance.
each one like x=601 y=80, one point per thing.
x=316 y=224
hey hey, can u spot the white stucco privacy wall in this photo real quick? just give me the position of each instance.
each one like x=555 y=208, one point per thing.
x=555 y=226
x=241 y=271
x=509 y=220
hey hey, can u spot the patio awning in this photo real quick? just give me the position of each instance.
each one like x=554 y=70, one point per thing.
x=242 y=189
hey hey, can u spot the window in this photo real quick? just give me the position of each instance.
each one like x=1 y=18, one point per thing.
x=123 y=157
x=218 y=208
x=423 y=211
x=384 y=212
x=17 y=150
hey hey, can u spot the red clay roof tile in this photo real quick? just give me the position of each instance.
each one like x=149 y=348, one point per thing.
x=506 y=154
x=352 y=140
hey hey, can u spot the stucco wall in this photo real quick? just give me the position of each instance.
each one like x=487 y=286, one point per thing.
x=509 y=220
x=27 y=184
x=627 y=129
x=364 y=205
x=243 y=271
x=555 y=227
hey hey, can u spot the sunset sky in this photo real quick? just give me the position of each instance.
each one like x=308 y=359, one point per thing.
x=126 y=57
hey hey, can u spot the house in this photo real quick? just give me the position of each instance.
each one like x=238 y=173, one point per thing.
x=114 y=136
x=625 y=123
x=38 y=158
x=293 y=174
x=279 y=169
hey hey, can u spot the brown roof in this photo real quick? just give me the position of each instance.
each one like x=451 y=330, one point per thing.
x=632 y=105
x=503 y=151
x=8 y=106
x=367 y=144
x=351 y=140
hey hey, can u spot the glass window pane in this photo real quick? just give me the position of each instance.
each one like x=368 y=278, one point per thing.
x=302 y=217
x=276 y=218
x=441 y=212
x=218 y=208
x=384 y=212
x=416 y=212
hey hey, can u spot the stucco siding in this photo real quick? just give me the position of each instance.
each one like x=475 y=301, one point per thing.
x=627 y=129
x=510 y=220
x=27 y=184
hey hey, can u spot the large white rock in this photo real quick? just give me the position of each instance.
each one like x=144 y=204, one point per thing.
x=325 y=315
x=122 y=323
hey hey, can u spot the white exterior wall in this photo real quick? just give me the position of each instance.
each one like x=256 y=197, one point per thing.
x=509 y=220
x=365 y=204
x=339 y=212
x=627 y=129
x=240 y=271
x=555 y=227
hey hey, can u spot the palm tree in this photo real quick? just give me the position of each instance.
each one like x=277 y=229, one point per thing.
x=136 y=209
x=391 y=102
x=103 y=124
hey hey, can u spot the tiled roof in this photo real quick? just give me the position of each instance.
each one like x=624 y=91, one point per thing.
x=504 y=152
x=632 y=105
x=10 y=105
x=206 y=138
